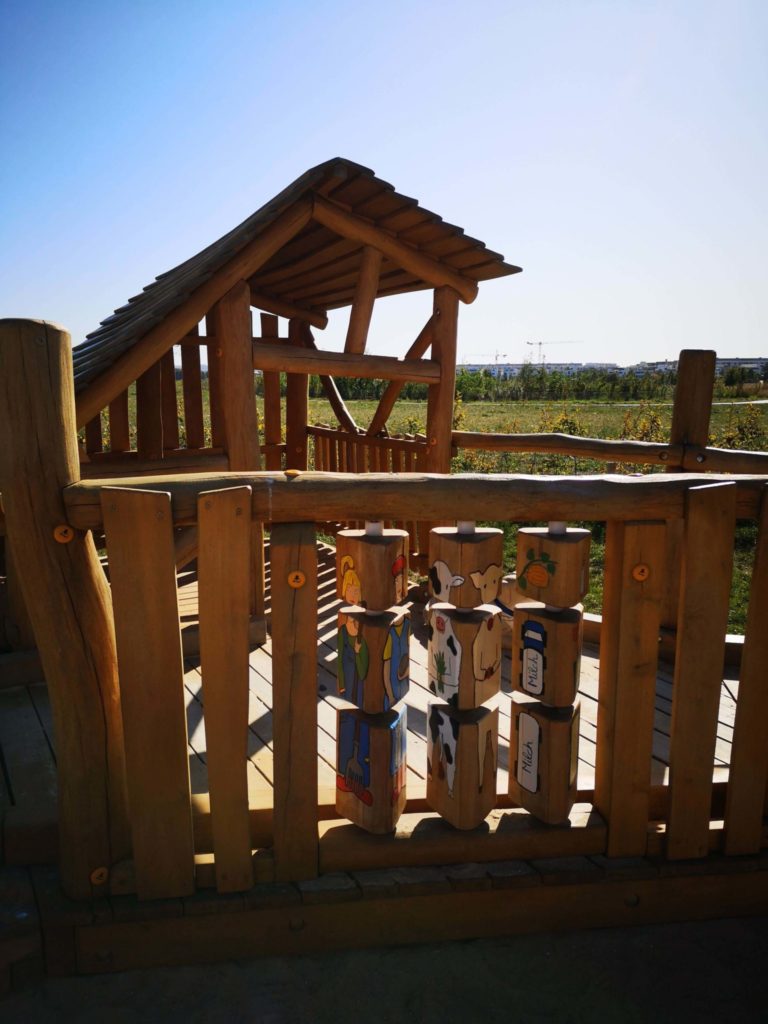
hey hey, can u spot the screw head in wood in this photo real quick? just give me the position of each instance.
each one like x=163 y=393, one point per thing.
x=63 y=534
x=641 y=572
x=296 y=579
x=293 y=472
x=99 y=876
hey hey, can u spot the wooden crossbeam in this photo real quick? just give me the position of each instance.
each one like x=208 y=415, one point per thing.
x=393 y=389
x=300 y=360
x=279 y=307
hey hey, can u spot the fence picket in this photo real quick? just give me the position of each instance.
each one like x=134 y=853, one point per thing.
x=224 y=526
x=139 y=531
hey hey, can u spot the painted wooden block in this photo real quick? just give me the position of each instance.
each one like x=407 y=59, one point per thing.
x=462 y=750
x=372 y=571
x=373 y=667
x=553 y=567
x=508 y=597
x=546 y=652
x=544 y=751
x=464 y=653
x=371 y=766
x=465 y=568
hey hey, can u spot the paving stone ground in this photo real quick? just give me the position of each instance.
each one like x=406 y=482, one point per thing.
x=710 y=971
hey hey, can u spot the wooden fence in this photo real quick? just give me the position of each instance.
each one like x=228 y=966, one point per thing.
x=296 y=838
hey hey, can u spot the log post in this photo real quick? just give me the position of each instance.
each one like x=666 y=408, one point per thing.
x=440 y=400
x=691 y=413
x=272 y=406
x=67 y=596
x=296 y=406
x=230 y=319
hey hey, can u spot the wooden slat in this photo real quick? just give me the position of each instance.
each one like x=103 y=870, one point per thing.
x=139 y=532
x=272 y=404
x=193 y=394
x=294 y=681
x=93 y=439
x=149 y=417
x=702 y=622
x=215 y=396
x=119 y=429
x=169 y=403
x=224 y=589
x=296 y=400
x=745 y=803
x=629 y=657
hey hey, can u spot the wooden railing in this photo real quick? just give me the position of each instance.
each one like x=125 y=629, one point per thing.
x=341 y=451
x=296 y=836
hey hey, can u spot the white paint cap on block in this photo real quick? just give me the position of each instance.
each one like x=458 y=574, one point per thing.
x=465 y=526
x=556 y=527
x=374 y=528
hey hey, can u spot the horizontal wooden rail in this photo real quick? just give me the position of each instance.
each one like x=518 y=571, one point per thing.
x=330 y=496
x=277 y=358
x=193 y=461
x=393 y=443
x=724 y=460
x=567 y=444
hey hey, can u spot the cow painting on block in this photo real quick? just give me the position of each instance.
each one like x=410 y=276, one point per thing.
x=462 y=754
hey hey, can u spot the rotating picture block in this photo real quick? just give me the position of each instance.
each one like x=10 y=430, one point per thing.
x=462 y=755
x=371 y=570
x=464 y=654
x=373 y=666
x=370 y=774
x=553 y=567
x=546 y=652
x=465 y=568
x=544 y=750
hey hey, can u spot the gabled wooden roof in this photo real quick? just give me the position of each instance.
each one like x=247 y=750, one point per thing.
x=317 y=269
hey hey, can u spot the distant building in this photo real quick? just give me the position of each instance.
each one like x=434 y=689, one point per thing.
x=506 y=370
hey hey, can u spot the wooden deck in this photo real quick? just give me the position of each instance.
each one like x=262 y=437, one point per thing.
x=28 y=749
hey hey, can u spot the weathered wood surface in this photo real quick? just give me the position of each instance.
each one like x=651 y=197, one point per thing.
x=63 y=587
x=272 y=405
x=143 y=577
x=339 y=364
x=279 y=498
x=223 y=571
x=440 y=396
x=567 y=444
x=393 y=389
x=192 y=389
x=362 y=304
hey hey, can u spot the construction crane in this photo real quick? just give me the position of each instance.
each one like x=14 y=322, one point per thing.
x=540 y=345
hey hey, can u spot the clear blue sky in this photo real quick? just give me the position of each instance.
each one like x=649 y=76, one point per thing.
x=617 y=151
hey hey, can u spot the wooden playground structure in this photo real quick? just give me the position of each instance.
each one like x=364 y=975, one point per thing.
x=173 y=783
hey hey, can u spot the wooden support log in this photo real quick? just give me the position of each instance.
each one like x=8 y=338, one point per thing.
x=183 y=319
x=293 y=561
x=296 y=398
x=441 y=394
x=634 y=585
x=272 y=405
x=170 y=408
x=67 y=596
x=707 y=567
x=215 y=352
x=745 y=803
x=337 y=364
x=405 y=256
x=279 y=307
x=343 y=415
x=362 y=304
x=330 y=496
x=393 y=389
x=18 y=626
x=93 y=436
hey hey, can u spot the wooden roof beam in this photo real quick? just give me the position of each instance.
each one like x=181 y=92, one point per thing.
x=405 y=256
x=300 y=360
x=281 y=308
x=365 y=295
x=185 y=317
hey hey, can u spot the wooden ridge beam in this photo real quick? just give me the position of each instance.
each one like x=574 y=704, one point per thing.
x=393 y=389
x=405 y=256
x=180 y=321
x=271 y=304
x=422 y=496
x=302 y=360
